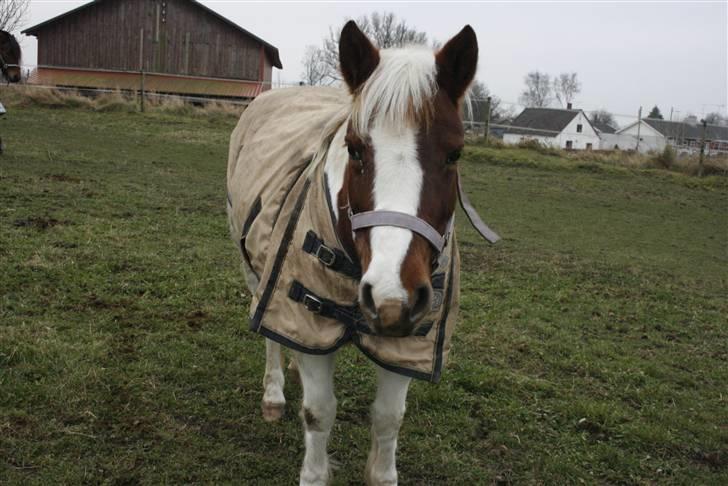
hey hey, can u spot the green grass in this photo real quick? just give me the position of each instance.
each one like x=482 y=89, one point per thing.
x=592 y=344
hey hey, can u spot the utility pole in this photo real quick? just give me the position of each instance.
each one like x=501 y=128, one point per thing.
x=639 y=126
x=671 y=113
x=487 y=118
x=141 y=68
x=702 y=148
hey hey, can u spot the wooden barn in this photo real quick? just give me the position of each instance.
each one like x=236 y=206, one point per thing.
x=180 y=46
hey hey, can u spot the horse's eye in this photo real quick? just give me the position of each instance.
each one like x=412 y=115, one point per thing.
x=453 y=157
x=355 y=153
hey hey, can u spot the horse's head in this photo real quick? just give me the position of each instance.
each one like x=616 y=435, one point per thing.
x=404 y=138
x=9 y=57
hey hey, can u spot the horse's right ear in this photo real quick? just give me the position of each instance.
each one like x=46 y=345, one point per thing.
x=357 y=56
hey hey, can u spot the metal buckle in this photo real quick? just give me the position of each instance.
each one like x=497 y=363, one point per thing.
x=326 y=255
x=312 y=303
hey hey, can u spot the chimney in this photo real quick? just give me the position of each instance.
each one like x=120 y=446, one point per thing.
x=568 y=106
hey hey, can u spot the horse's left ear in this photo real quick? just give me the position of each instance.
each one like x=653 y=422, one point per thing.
x=357 y=56
x=457 y=62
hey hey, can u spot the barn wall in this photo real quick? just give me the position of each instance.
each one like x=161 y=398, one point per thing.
x=179 y=38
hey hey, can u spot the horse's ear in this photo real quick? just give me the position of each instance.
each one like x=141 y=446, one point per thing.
x=457 y=62
x=357 y=56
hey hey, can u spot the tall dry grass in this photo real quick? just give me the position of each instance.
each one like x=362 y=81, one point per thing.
x=113 y=101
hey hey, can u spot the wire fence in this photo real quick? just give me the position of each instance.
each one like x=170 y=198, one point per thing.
x=504 y=120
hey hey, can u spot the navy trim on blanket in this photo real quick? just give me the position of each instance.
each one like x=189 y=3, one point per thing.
x=437 y=368
x=280 y=257
x=274 y=336
x=254 y=212
x=420 y=375
x=331 y=257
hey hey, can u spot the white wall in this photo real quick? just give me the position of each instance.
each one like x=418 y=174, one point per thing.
x=650 y=139
x=579 y=140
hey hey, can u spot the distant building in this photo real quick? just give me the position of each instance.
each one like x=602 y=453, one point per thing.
x=685 y=136
x=182 y=46
x=568 y=129
x=603 y=128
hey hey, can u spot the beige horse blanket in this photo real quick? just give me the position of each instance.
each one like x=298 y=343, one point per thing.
x=304 y=285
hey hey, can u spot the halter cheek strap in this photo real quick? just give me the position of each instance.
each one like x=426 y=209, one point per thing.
x=417 y=225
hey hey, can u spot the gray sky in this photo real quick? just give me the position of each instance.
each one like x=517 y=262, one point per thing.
x=627 y=54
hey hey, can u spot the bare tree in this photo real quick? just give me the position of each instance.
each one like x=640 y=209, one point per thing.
x=314 y=67
x=12 y=14
x=716 y=118
x=537 y=93
x=566 y=87
x=384 y=29
x=603 y=117
x=479 y=94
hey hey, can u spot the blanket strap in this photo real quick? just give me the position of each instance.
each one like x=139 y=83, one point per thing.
x=475 y=220
x=349 y=315
x=333 y=258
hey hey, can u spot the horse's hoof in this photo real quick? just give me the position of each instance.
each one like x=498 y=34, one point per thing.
x=272 y=411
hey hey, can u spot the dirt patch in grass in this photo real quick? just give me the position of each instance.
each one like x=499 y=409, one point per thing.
x=62 y=178
x=38 y=222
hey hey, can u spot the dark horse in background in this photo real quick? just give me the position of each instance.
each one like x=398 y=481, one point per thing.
x=9 y=65
x=9 y=57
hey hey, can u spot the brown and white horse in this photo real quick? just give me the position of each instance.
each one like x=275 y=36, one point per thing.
x=397 y=153
x=9 y=57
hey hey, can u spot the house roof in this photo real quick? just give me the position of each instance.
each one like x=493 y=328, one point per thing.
x=270 y=50
x=678 y=130
x=603 y=127
x=546 y=122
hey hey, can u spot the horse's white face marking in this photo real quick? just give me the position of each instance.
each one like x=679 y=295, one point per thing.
x=397 y=187
x=335 y=168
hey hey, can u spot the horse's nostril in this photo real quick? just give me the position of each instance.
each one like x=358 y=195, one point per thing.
x=367 y=301
x=422 y=302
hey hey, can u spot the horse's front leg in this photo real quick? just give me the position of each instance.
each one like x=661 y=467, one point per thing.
x=387 y=414
x=318 y=414
x=274 y=401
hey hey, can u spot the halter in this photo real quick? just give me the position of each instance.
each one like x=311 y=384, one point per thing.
x=368 y=219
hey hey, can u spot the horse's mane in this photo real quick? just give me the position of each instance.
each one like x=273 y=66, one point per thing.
x=13 y=45
x=400 y=91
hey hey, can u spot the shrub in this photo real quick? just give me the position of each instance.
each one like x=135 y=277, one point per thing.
x=665 y=159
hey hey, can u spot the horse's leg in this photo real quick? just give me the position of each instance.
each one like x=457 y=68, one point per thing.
x=273 y=400
x=318 y=414
x=387 y=414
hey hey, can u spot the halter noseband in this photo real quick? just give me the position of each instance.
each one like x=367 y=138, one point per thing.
x=369 y=219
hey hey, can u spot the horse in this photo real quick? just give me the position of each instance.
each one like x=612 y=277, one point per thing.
x=341 y=203
x=10 y=56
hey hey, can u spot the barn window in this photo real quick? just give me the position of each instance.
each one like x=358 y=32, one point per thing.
x=569 y=144
x=578 y=128
x=588 y=146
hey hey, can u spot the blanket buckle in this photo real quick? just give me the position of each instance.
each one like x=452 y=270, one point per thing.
x=326 y=255
x=313 y=304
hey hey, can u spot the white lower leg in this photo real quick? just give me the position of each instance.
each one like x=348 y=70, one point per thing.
x=273 y=399
x=387 y=414
x=318 y=414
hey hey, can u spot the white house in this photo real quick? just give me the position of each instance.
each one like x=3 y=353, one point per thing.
x=567 y=129
x=684 y=136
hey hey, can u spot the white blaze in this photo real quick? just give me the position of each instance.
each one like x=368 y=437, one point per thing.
x=397 y=187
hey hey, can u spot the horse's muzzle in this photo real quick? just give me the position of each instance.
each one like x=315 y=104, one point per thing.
x=394 y=318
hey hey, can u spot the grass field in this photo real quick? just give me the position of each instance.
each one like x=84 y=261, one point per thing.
x=592 y=345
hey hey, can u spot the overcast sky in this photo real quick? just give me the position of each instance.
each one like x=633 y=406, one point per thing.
x=626 y=54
